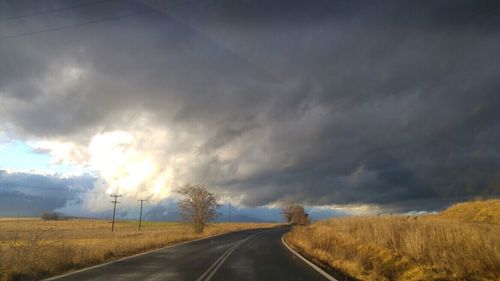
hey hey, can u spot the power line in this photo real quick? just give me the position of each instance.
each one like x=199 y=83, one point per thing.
x=54 y=10
x=59 y=28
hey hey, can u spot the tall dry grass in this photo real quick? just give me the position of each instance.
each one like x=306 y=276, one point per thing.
x=486 y=211
x=34 y=249
x=403 y=248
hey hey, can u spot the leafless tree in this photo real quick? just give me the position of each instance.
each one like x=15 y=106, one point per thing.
x=198 y=206
x=300 y=216
x=287 y=210
x=294 y=213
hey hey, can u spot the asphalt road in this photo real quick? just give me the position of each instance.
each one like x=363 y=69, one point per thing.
x=245 y=255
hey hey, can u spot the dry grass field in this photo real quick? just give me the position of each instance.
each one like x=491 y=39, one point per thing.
x=462 y=243
x=31 y=249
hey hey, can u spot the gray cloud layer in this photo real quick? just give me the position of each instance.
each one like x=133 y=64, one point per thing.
x=27 y=194
x=329 y=102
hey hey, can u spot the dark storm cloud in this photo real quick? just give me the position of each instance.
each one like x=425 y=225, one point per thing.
x=27 y=194
x=340 y=102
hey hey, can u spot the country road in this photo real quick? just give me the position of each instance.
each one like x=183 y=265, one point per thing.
x=245 y=255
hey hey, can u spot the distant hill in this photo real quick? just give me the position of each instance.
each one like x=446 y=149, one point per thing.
x=240 y=218
x=162 y=213
x=487 y=211
x=18 y=204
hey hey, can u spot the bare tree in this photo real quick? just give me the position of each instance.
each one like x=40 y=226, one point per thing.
x=294 y=213
x=299 y=215
x=198 y=206
x=287 y=210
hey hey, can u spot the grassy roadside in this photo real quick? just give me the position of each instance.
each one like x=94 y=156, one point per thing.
x=454 y=245
x=31 y=249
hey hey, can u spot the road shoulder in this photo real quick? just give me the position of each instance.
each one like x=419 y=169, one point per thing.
x=308 y=262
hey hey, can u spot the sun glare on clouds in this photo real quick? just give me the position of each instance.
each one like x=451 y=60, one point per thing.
x=127 y=162
x=128 y=166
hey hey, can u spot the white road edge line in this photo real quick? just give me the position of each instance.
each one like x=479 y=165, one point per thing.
x=317 y=268
x=130 y=257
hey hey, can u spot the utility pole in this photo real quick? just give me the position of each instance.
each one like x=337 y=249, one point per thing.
x=114 y=210
x=140 y=216
x=229 y=211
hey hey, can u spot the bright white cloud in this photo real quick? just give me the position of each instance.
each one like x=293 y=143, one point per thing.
x=128 y=163
x=352 y=209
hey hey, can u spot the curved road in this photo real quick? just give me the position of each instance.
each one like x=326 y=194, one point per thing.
x=245 y=255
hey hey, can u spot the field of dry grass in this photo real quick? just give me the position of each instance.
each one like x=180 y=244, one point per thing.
x=448 y=246
x=487 y=211
x=32 y=248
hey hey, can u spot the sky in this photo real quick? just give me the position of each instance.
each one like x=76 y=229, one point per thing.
x=348 y=107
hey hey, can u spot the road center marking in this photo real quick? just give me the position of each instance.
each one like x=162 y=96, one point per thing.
x=217 y=264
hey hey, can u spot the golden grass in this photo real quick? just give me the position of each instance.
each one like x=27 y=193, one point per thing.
x=404 y=248
x=487 y=211
x=33 y=249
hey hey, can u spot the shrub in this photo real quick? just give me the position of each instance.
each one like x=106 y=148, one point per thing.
x=50 y=216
